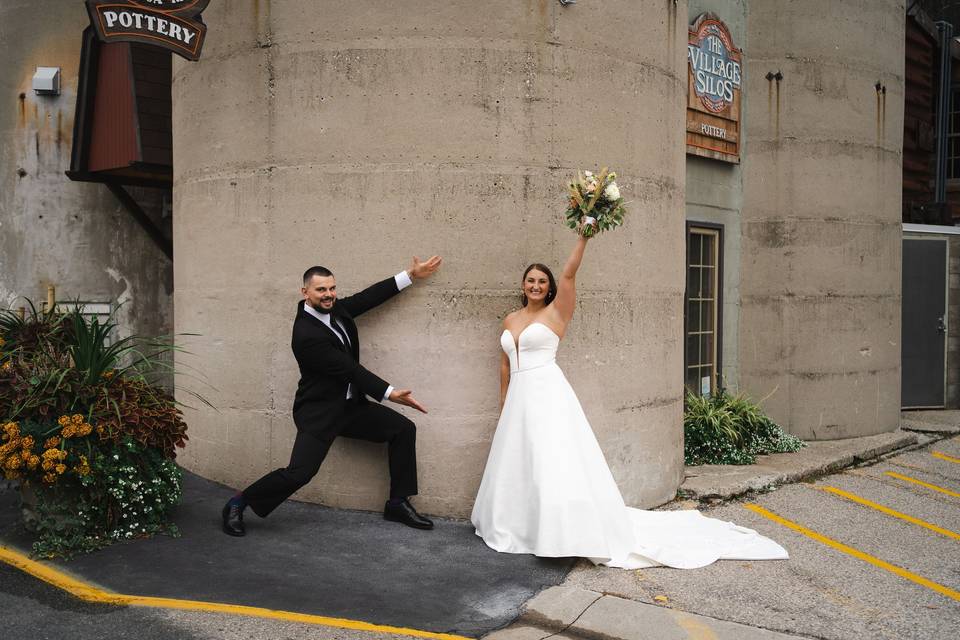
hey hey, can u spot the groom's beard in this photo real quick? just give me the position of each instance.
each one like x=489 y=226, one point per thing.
x=322 y=309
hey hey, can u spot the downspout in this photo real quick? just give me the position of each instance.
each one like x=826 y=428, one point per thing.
x=945 y=30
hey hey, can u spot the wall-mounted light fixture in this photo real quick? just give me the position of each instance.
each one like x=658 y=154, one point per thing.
x=46 y=81
x=566 y=2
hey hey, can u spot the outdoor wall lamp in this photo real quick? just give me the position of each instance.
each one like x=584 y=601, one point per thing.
x=46 y=81
x=566 y=2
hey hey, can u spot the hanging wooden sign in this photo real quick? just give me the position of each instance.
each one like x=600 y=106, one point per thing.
x=170 y=24
x=714 y=77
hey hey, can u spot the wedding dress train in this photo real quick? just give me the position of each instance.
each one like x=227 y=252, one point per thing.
x=547 y=490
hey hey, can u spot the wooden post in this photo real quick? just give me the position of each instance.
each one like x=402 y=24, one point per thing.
x=22 y=312
x=51 y=297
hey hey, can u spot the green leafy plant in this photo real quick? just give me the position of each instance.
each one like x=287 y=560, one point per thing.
x=91 y=439
x=726 y=429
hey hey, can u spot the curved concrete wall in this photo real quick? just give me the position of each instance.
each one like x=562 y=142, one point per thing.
x=74 y=235
x=820 y=318
x=355 y=135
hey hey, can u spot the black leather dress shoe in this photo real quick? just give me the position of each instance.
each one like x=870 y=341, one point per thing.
x=406 y=514
x=233 y=520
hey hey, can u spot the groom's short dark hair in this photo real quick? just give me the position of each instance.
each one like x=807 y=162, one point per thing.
x=323 y=272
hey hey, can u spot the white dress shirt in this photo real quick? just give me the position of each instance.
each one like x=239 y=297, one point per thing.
x=403 y=281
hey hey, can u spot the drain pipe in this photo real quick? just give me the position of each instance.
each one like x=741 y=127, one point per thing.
x=945 y=30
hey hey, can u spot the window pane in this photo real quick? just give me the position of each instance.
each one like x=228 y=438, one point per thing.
x=693 y=282
x=693 y=316
x=693 y=255
x=708 y=249
x=693 y=350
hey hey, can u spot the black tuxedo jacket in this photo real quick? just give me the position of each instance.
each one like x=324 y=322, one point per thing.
x=327 y=366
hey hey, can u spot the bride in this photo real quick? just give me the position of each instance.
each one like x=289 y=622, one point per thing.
x=546 y=489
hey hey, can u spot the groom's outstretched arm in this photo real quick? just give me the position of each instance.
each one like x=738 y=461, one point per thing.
x=382 y=291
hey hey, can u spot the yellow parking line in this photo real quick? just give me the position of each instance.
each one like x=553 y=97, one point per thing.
x=90 y=593
x=891 y=512
x=839 y=546
x=934 y=487
x=943 y=456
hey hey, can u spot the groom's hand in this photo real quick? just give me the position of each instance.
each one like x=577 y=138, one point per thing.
x=403 y=396
x=423 y=269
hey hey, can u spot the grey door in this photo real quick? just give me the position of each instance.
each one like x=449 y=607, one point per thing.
x=924 y=309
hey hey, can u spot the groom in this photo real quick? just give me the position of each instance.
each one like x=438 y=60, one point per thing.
x=331 y=399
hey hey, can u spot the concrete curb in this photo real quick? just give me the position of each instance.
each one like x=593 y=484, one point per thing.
x=713 y=483
x=572 y=612
x=939 y=422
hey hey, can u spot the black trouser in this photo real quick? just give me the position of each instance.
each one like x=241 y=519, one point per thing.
x=363 y=421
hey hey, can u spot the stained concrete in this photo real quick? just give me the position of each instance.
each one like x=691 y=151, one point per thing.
x=358 y=141
x=820 y=251
x=73 y=235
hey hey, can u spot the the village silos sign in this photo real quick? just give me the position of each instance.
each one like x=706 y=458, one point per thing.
x=170 y=24
x=714 y=78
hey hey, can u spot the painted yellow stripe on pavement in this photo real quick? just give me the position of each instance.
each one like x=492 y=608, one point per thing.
x=90 y=593
x=891 y=512
x=900 y=476
x=856 y=553
x=943 y=456
x=696 y=629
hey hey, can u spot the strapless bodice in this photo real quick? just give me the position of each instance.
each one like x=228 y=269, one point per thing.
x=538 y=347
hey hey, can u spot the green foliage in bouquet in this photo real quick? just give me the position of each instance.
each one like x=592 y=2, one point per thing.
x=727 y=429
x=595 y=204
x=87 y=433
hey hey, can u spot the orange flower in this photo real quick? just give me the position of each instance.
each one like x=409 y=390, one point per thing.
x=33 y=462
x=51 y=442
x=49 y=478
x=47 y=465
x=76 y=419
x=27 y=442
x=63 y=421
x=69 y=431
x=60 y=468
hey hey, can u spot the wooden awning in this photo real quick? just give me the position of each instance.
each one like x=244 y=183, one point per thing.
x=122 y=127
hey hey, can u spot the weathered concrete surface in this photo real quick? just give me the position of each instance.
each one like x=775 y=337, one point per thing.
x=939 y=422
x=575 y=612
x=357 y=142
x=820 y=252
x=722 y=481
x=52 y=230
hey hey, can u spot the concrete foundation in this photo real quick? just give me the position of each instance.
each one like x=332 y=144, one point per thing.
x=358 y=141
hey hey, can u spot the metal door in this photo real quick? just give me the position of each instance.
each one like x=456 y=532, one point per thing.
x=924 y=331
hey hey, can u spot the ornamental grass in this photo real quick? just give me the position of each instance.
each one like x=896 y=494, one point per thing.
x=730 y=429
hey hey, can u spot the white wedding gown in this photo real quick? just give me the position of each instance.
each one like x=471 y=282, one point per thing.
x=547 y=490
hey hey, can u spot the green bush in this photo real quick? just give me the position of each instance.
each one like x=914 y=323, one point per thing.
x=727 y=429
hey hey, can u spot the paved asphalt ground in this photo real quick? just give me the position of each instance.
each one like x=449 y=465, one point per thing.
x=310 y=559
x=823 y=592
x=856 y=571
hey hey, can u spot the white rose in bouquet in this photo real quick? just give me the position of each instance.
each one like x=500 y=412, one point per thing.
x=612 y=192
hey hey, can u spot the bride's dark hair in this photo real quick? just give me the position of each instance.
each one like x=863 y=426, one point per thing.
x=551 y=294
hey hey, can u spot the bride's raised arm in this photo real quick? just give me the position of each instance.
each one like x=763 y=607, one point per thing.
x=566 y=299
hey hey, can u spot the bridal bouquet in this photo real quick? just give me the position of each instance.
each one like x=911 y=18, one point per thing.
x=595 y=203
